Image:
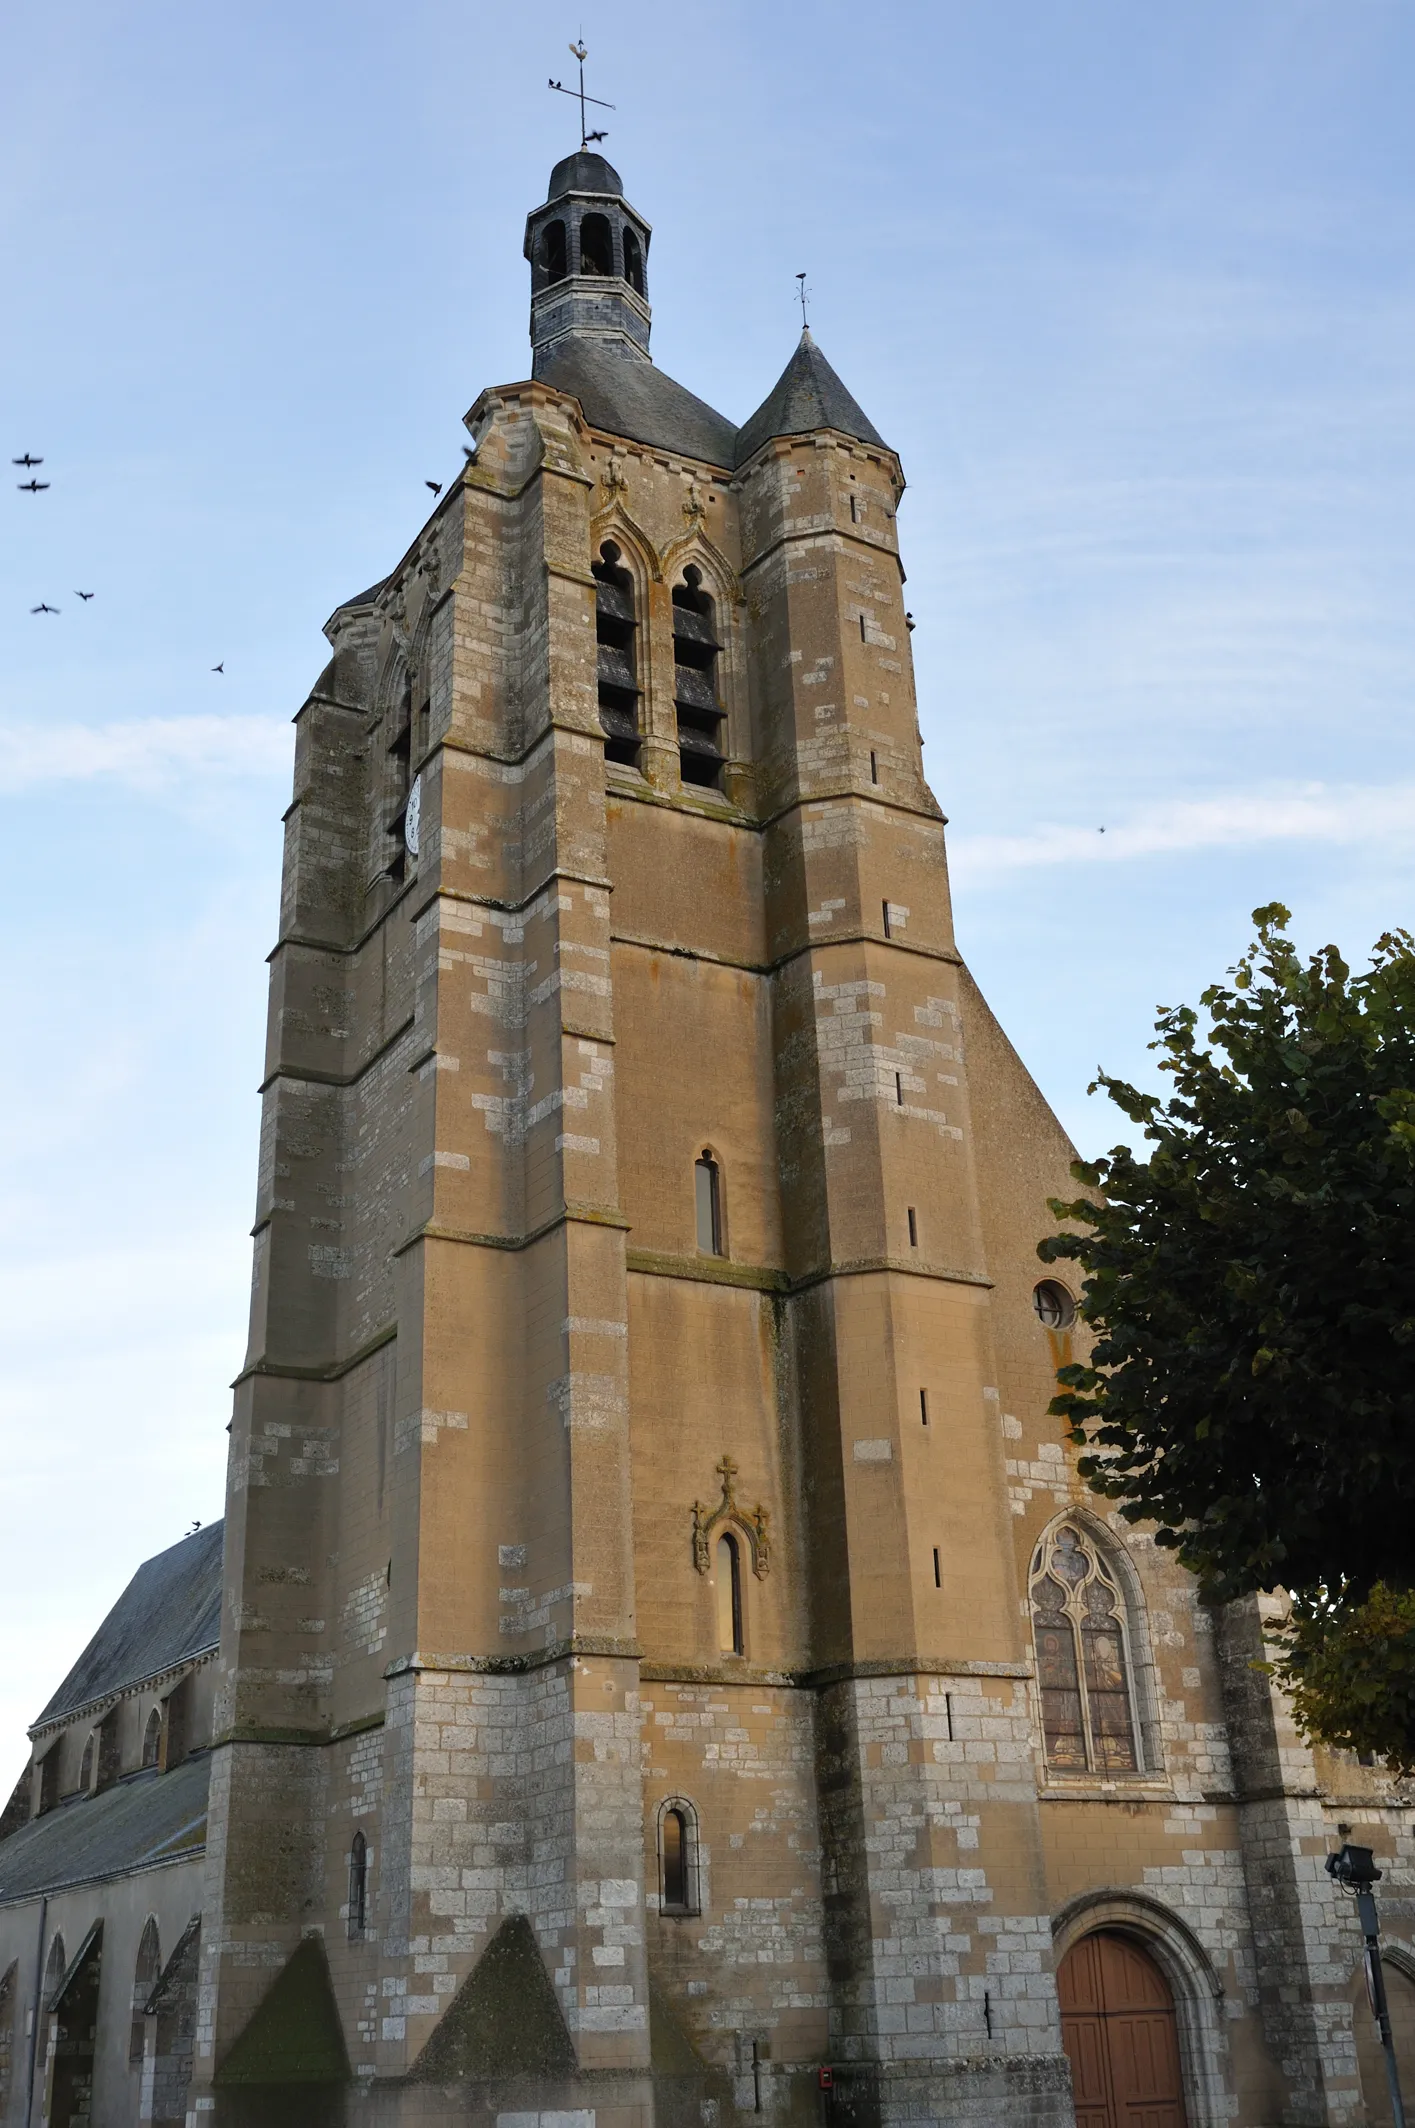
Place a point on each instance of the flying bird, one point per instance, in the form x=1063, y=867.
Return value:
x=31, y=487
x=27, y=461
x=221, y=667
x=435, y=485
x=84, y=595
x=42, y=608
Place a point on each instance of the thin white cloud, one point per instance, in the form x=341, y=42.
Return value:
x=145, y=753
x=1312, y=812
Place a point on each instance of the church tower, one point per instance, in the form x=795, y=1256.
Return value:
x=641, y=1490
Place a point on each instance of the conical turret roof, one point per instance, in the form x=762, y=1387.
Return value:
x=808, y=395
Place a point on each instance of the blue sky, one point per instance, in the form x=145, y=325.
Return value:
x=1131, y=291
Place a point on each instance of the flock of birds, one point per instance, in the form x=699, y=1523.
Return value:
x=35, y=486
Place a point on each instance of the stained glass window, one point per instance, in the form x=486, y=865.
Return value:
x=1083, y=1661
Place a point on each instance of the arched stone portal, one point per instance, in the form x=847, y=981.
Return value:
x=1120, y=2034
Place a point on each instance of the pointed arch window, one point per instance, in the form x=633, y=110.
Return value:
x=146, y=1975
x=358, y=1886
x=87, y=1762
x=615, y=633
x=152, y=1739
x=1084, y=1666
x=695, y=653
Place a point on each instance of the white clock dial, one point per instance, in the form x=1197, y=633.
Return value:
x=412, y=819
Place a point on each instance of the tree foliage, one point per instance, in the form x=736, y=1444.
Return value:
x=1251, y=1286
x=1349, y=1669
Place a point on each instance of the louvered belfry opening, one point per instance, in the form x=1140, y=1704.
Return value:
x=695, y=655
x=618, y=669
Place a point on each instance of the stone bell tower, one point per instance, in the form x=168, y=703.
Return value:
x=624, y=1678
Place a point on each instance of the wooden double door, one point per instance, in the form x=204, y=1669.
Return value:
x=1118, y=2028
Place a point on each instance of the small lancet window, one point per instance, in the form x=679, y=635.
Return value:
x=596, y=245
x=358, y=1886
x=87, y=1762
x=152, y=1739
x=1083, y=1658
x=550, y=254
x=695, y=654
x=615, y=632
x=729, y=1595
x=707, y=1183
x=634, y=261
x=675, y=1840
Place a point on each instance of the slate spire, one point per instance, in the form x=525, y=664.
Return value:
x=806, y=396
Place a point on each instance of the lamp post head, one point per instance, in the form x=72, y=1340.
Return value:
x=1354, y=1868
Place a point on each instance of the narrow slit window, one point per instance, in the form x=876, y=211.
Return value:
x=899, y=1089
x=675, y=1863
x=874, y=767
x=923, y=1407
x=707, y=1183
x=888, y=926
x=729, y=1595
x=854, y=511
x=938, y=1569
x=358, y=1886
x=948, y=1714
x=913, y=1228
x=863, y=637
x=701, y=717
x=616, y=630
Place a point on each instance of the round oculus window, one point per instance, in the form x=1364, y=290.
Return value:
x=1056, y=1310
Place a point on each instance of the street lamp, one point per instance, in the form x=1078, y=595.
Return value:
x=1354, y=1869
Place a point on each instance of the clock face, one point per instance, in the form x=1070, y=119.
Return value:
x=412, y=819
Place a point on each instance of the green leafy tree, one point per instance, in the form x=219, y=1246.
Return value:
x=1251, y=1286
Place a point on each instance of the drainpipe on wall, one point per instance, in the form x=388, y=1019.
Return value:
x=34, y=2013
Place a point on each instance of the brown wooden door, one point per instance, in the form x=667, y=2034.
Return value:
x=1118, y=2029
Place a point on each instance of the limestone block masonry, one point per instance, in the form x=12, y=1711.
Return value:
x=641, y=1480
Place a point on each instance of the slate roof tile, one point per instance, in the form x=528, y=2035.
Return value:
x=148, y=1819
x=170, y=1610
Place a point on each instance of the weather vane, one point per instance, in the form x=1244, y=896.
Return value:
x=801, y=294
x=582, y=55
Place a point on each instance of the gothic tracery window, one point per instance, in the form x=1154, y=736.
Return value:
x=1083, y=1657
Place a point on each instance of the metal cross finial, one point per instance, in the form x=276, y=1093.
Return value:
x=801, y=294
x=581, y=53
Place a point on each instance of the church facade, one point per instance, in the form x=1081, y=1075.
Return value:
x=669, y=1669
